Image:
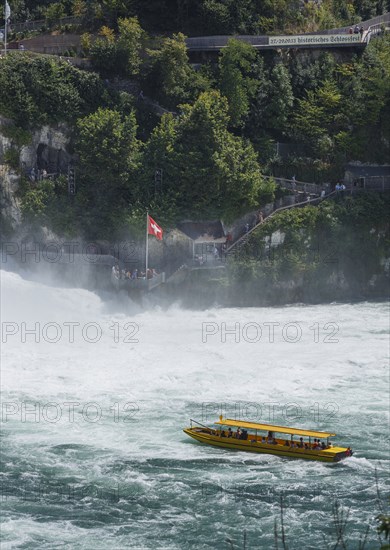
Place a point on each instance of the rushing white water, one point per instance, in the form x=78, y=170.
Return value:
x=93, y=453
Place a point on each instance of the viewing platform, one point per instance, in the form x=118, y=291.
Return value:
x=141, y=284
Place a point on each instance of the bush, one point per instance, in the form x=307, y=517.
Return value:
x=36, y=200
x=11, y=157
x=38, y=90
x=17, y=135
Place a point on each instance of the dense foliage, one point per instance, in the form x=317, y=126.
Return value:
x=331, y=250
x=223, y=117
x=39, y=90
x=209, y=16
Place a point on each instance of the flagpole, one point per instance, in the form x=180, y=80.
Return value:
x=147, y=245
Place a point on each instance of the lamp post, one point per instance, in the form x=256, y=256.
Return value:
x=7, y=14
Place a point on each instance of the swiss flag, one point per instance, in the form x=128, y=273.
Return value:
x=154, y=229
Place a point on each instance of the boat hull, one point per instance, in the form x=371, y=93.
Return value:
x=327, y=455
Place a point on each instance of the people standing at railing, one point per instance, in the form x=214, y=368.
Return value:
x=126, y=274
x=340, y=188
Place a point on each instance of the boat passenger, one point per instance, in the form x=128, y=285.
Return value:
x=315, y=445
x=287, y=443
x=323, y=445
x=230, y=433
x=274, y=442
x=223, y=433
x=307, y=446
x=300, y=444
x=238, y=433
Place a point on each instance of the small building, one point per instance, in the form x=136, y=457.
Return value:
x=208, y=240
x=374, y=177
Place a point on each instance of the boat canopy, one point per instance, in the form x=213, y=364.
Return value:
x=278, y=429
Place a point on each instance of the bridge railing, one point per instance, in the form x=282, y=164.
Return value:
x=296, y=186
x=39, y=23
x=242, y=240
x=211, y=43
x=373, y=30
x=138, y=284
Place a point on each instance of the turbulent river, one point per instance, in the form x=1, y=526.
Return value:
x=96, y=393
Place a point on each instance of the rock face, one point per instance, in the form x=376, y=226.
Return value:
x=9, y=203
x=47, y=151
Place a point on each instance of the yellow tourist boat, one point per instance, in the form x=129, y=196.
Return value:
x=309, y=444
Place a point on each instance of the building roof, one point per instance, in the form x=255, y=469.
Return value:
x=271, y=428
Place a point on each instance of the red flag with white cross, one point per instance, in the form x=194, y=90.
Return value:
x=154, y=229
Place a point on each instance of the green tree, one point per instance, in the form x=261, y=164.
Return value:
x=216, y=17
x=316, y=119
x=54, y=12
x=130, y=43
x=236, y=80
x=208, y=171
x=109, y=154
x=36, y=200
x=111, y=55
x=171, y=77
x=281, y=99
x=38, y=90
x=104, y=56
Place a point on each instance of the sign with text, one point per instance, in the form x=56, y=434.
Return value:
x=315, y=39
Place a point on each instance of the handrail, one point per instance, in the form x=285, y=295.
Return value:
x=199, y=424
x=276, y=211
x=296, y=185
x=38, y=23
x=217, y=42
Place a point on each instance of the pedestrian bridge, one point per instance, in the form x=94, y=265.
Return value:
x=333, y=38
